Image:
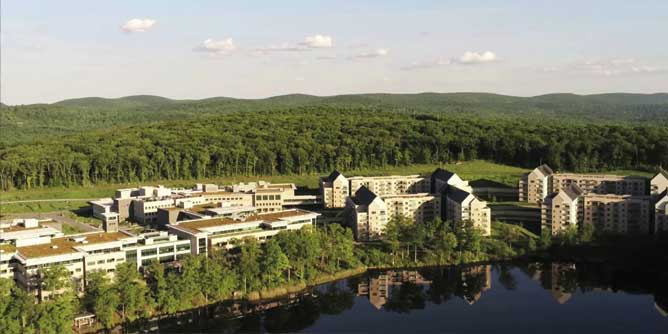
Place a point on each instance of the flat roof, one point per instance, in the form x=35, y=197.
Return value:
x=197, y=225
x=7, y=248
x=65, y=245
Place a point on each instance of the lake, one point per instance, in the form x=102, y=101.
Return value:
x=517, y=298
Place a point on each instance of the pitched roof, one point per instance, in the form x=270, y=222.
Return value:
x=442, y=174
x=572, y=191
x=457, y=194
x=545, y=169
x=364, y=196
x=332, y=176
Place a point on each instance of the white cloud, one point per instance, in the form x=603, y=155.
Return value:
x=221, y=47
x=138, y=25
x=374, y=54
x=470, y=57
x=318, y=41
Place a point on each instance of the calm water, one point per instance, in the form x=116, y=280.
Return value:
x=525, y=298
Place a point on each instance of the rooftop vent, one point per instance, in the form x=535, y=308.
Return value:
x=54, y=247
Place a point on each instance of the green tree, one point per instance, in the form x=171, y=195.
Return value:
x=274, y=263
x=249, y=263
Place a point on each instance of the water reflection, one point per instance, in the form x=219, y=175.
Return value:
x=408, y=292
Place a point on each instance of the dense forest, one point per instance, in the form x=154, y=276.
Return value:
x=25, y=123
x=302, y=140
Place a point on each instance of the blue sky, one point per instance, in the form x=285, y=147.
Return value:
x=53, y=50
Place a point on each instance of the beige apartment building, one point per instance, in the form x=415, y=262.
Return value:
x=419, y=208
x=618, y=213
x=560, y=211
x=367, y=214
x=542, y=182
x=659, y=182
x=464, y=206
x=602, y=184
x=536, y=185
x=661, y=213
x=334, y=190
x=7, y=253
x=391, y=185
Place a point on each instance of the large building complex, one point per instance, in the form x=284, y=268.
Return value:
x=542, y=182
x=151, y=205
x=420, y=199
x=222, y=233
x=609, y=203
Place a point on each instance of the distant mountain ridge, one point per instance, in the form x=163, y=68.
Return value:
x=144, y=100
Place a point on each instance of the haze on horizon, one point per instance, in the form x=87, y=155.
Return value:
x=58, y=50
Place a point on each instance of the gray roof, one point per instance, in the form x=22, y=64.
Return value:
x=572, y=191
x=332, y=176
x=364, y=196
x=545, y=169
x=442, y=174
x=457, y=194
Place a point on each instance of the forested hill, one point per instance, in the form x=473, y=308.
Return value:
x=317, y=139
x=25, y=123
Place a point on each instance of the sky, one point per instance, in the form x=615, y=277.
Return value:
x=55, y=50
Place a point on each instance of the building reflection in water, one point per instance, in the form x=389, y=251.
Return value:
x=406, y=287
x=380, y=288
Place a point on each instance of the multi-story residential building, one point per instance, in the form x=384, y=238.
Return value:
x=391, y=185
x=334, y=190
x=419, y=208
x=617, y=213
x=602, y=184
x=367, y=214
x=661, y=212
x=536, y=185
x=222, y=233
x=542, y=182
x=441, y=179
x=464, y=206
x=560, y=211
x=659, y=182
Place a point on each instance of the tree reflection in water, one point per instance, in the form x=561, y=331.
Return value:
x=405, y=291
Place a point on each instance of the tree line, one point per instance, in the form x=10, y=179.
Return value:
x=308, y=140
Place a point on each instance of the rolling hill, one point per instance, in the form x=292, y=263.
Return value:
x=25, y=123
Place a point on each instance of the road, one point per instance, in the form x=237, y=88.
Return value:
x=49, y=200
